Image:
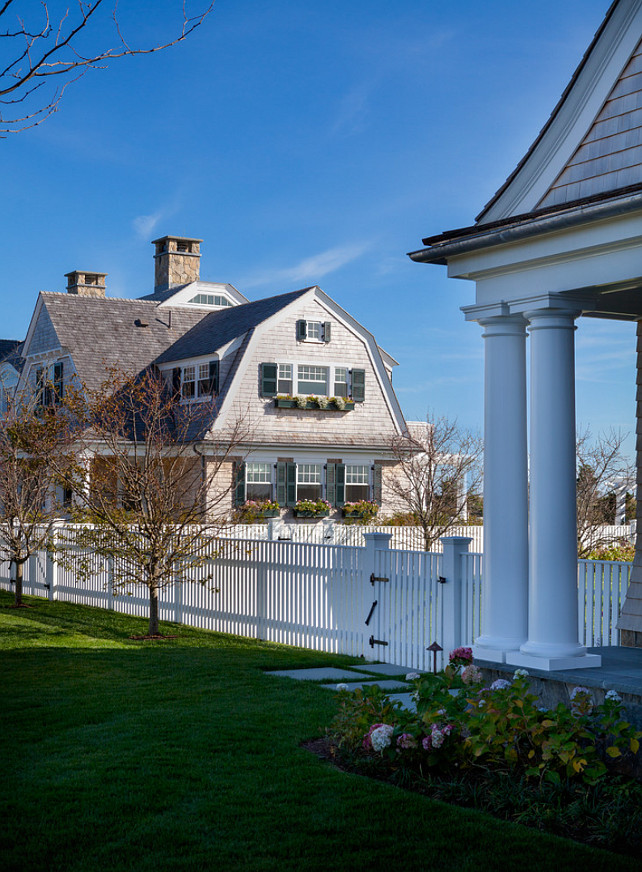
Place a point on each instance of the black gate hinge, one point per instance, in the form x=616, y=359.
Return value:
x=374, y=578
x=372, y=642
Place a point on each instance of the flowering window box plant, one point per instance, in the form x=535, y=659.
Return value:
x=256, y=511
x=312, y=508
x=361, y=510
x=331, y=404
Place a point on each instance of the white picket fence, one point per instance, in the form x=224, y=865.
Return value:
x=404, y=538
x=371, y=601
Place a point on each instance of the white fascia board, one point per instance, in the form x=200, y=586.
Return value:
x=185, y=294
x=587, y=256
x=575, y=117
x=374, y=354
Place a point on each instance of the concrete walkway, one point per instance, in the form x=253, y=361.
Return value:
x=387, y=676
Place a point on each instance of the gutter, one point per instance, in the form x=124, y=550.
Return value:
x=440, y=253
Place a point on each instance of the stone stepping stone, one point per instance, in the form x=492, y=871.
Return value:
x=405, y=699
x=383, y=668
x=386, y=684
x=325, y=673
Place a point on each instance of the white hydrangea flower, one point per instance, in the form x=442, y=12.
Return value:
x=412, y=676
x=520, y=673
x=381, y=737
x=415, y=696
x=342, y=686
x=577, y=690
x=500, y=684
x=613, y=695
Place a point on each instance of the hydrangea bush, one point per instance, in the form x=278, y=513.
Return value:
x=460, y=725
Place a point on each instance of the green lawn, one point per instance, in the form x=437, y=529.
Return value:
x=183, y=755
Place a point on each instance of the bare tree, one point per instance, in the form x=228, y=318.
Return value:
x=151, y=485
x=29, y=436
x=438, y=464
x=51, y=44
x=602, y=470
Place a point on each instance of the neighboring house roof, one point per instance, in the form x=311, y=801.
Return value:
x=100, y=332
x=216, y=329
x=10, y=352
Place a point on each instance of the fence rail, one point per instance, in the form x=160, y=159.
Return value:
x=370, y=600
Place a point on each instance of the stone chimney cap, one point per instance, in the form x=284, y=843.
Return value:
x=86, y=283
x=177, y=238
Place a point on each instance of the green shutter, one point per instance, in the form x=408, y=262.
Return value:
x=176, y=382
x=301, y=330
x=59, y=381
x=281, y=480
x=268, y=379
x=327, y=331
x=239, y=484
x=358, y=385
x=291, y=484
x=331, y=483
x=341, y=484
x=377, y=487
x=214, y=370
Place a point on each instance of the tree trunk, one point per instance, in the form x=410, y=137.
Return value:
x=153, y=611
x=18, y=582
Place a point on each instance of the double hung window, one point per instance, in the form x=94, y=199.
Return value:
x=312, y=380
x=308, y=481
x=197, y=380
x=258, y=481
x=357, y=483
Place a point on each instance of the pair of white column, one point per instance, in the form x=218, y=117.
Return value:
x=530, y=607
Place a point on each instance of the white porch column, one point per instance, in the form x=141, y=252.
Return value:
x=553, y=609
x=505, y=587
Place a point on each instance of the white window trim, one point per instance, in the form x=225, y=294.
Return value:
x=331, y=368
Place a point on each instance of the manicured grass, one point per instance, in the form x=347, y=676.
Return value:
x=183, y=755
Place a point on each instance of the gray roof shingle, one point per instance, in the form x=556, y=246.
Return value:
x=218, y=328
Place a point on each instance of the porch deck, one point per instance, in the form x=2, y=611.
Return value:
x=621, y=670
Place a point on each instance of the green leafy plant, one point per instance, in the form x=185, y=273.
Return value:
x=255, y=511
x=361, y=511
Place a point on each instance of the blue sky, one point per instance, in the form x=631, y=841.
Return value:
x=310, y=142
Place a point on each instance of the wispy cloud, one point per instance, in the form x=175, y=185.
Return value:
x=144, y=225
x=310, y=269
x=353, y=111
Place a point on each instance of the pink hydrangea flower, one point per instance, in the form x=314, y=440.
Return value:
x=406, y=741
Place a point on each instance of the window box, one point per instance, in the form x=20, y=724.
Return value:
x=304, y=513
x=271, y=513
x=312, y=509
x=329, y=406
x=363, y=510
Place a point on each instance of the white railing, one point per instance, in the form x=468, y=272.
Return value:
x=602, y=586
x=320, y=596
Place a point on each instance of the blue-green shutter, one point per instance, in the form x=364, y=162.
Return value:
x=281, y=483
x=301, y=330
x=327, y=331
x=377, y=486
x=239, y=484
x=58, y=381
x=341, y=484
x=268, y=379
x=214, y=371
x=331, y=483
x=176, y=382
x=291, y=484
x=358, y=385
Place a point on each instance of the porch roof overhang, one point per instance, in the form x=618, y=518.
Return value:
x=590, y=253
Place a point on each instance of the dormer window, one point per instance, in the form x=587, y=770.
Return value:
x=210, y=300
x=313, y=331
x=196, y=381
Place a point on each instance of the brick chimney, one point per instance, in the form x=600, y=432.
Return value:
x=177, y=261
x=86, y=284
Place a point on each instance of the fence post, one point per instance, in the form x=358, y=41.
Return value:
x=51, y=575
x=452, y=591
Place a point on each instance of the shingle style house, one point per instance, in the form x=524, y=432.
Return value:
x=255, y=358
